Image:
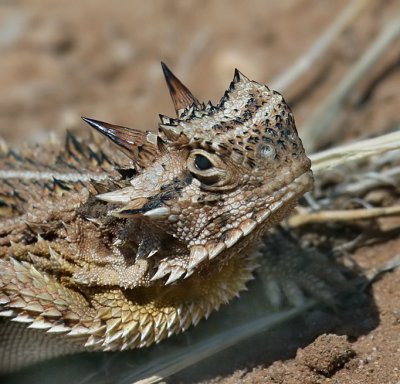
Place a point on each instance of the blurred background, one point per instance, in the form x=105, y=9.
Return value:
x=101, y=59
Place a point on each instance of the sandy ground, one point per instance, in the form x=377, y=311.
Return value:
x=61, y=60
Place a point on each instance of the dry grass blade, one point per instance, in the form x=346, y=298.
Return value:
x=369, y=180
x=166, y=366
x=342, y=155
x=358, y=150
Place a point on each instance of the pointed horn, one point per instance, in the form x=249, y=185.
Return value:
x=134, y=143
x=181, y=96
x=238, y=76
x=161, y=145
x=124, y=137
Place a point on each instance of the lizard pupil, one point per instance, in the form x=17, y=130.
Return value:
x=202, y=163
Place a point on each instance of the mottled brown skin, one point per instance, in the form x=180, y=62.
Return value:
x=109, y=250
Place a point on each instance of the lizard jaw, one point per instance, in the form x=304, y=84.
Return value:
x=200, y=254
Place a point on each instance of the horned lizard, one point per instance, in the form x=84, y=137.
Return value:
x=108, y=248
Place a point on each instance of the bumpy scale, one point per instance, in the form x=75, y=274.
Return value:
x=111, y=251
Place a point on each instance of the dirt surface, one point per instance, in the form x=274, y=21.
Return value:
x=61, y=60
x=371, y=358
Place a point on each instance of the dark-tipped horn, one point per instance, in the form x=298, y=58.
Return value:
x=238, y=76
x=133, y=142
x=124, y=137
x=181, y=96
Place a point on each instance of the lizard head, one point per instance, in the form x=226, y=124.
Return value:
x=211, y=178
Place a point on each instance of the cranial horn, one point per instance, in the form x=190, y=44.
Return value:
x=138, y=145
x=181, y=96
x=238, y=76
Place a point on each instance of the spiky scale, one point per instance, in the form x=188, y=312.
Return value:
x=175, y=274
x=180, y=95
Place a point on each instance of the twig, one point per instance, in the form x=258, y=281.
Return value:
x=342, y=215
x=374, y=273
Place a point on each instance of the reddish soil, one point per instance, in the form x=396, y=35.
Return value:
x=61, y=60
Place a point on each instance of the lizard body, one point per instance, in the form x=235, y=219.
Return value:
x=102, y=249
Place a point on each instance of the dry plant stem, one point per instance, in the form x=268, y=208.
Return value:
x=375, y=273
x=358, y=150
x=320, y=122
x=370, y=180
x=342, y=215
x=162, y=368
x=307, y=61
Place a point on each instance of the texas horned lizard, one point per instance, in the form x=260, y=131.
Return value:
x=116, y=251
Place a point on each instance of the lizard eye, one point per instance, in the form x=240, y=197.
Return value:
x=205, y=167
x=202, y=163
x=213, y=172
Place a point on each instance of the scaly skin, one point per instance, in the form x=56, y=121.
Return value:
x=110, y=251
